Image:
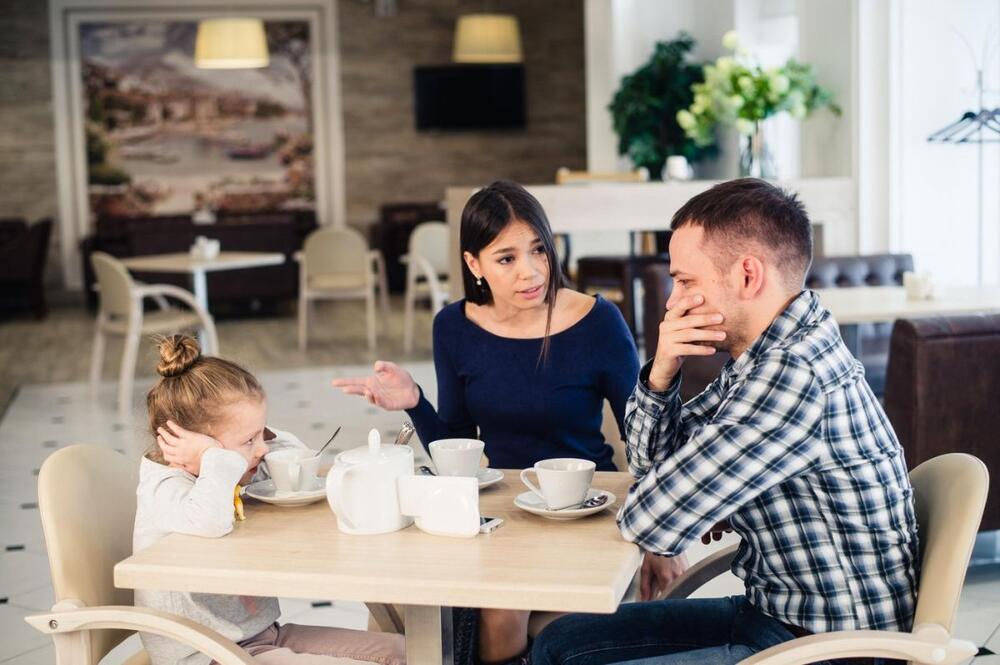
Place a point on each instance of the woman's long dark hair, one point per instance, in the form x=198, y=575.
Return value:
x=486, y=215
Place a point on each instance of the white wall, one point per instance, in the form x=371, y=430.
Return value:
x=933, y=209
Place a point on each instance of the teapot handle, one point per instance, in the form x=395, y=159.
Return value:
x=335, y=488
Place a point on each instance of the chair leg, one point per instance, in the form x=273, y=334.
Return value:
x=303, y=321
x=97, y=358
x=211, y=335
x=370, y=316
x=383, y=293
x=408, y=298
x=127, y=375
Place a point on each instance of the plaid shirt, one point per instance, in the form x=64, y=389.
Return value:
x=791, y=447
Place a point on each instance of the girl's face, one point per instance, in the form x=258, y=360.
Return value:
x=241, y=428
x=515, y=267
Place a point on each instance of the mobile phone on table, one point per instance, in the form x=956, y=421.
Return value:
x=489, y=524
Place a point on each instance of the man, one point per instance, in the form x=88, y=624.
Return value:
x=788, y=445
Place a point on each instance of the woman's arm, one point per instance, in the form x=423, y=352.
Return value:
x=622, y=370
x=451, y=419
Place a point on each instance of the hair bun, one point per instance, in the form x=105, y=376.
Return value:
x=177, y=354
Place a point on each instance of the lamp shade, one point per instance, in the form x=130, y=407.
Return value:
x=230, y=43
x=487, y=38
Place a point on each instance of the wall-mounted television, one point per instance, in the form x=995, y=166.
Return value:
x=466, y=97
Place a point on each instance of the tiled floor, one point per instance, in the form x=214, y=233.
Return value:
x=42, y=418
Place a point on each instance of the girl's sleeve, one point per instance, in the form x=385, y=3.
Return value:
x=204, y=507
x=451, y=419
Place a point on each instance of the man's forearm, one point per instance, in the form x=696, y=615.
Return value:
x=652, y=423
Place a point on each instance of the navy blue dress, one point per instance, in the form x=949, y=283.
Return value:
x=526, y=409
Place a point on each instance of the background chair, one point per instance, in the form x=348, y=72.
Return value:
x=86, y=498
x=949, y=495
x=23, y=250
x=614, y=275
x=941, y=391
x=121, y=313
x=426, y=273
x=336, y=264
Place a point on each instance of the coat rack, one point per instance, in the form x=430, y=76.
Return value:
x=978, y=128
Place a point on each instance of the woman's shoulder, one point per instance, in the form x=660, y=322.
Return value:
x=594, y=310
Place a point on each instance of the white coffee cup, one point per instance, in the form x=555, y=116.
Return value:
x=441, y=506
x=293, y=470
x=564, y=481
x=457, y=457
x=677, y=168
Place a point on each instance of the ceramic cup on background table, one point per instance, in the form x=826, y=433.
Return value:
x=457, y=457
x=563, y=481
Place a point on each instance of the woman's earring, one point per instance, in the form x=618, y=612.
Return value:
x=479, y=281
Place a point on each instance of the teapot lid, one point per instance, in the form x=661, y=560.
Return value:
x=375, y=451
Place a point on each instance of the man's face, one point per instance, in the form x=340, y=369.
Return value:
x=695, y=272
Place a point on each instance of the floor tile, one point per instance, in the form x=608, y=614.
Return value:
x=16, y=636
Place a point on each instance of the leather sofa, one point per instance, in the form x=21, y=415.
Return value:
x=941, y=390
x=252, y=288
x=23, y=250
x=825, y=272
x=873, y=270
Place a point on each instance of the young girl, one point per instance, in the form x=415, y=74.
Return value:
x=208, y=417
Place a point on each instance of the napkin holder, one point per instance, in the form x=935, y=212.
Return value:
x=440, y=505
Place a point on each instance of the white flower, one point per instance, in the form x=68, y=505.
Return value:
x=725, y=65
x=798, y=111
x=744, y=126
x=731, y=40
x=745, y=83
x=778, y=83
x=736, y=102
x=686, y=119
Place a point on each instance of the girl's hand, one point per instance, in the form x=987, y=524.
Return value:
x=391, y=387
x=183, y=448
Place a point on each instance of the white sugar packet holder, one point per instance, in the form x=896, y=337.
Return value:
x=441, y=506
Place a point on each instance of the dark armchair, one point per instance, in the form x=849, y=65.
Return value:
x=941, y=390
x=23, y=251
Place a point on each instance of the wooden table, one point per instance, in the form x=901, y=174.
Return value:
x=182, y=262
x=851, y=306
x=529, y=563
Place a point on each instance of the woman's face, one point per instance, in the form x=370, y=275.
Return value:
x=241, y=428
x=515, y=267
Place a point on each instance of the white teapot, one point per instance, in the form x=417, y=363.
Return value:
x=361, y=487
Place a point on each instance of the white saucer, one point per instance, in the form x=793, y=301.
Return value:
x=487, y=477
x=534, y=504
x=263, y=490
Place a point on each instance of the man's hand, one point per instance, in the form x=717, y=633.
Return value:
x=183, y=448
x=658, y=572
x=716, y=532
x=680, y=334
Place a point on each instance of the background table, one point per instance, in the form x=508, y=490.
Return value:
x=197, y=268
x=530, y=563
x=851, y=306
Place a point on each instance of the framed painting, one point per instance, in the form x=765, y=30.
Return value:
x=141, y=131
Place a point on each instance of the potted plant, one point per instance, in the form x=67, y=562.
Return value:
x=737, y=91
x=644, y=109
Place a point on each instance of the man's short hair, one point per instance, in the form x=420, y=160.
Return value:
x=740, y=213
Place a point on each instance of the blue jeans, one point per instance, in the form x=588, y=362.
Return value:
x=706, y=631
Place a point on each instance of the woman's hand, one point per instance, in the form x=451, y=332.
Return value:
x=183, y=448
x=658, y=572
x=391, y=387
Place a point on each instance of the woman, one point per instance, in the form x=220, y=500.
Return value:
x=523, y=362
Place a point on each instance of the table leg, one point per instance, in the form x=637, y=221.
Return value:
x=429, y=636
x=199, y=286
x=852, y=338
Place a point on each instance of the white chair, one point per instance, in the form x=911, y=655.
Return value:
x=86, y=498
x=121, y=313
x=336, y=264
x=426, y=262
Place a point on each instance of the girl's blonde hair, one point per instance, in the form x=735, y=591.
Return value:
x=193, y=387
